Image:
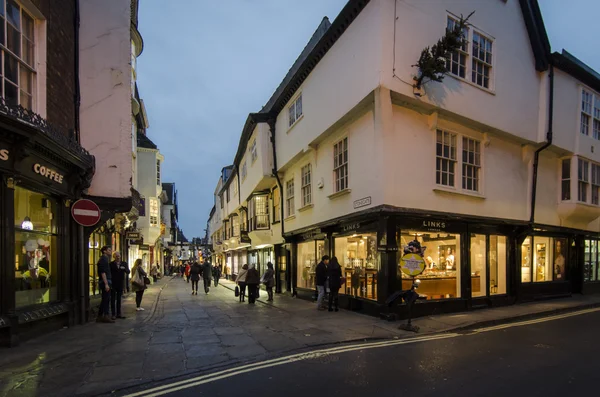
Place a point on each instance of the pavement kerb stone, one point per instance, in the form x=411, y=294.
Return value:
x=515, y=319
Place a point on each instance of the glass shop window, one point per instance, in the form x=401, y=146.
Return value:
x=441, y=278
x=309, y=254
x=591, y=261
x=36, y=263
x=543, y=259
x=358, y=257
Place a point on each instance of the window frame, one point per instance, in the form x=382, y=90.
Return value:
x=276, y=203
x=254, y=215
x=589, y=113
x=583, y=179
x=306, y=184
x=244, y=171
x=459, y=163
x=294, y=105
x=467, y=165
x=468, y=52
x=253, y=152
x=565, y=182
x=341, y=183
x=157, y=172
x=290, y=207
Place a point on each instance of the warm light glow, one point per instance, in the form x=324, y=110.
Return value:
x=27, y=224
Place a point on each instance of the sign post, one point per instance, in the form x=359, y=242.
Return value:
x=85, y=212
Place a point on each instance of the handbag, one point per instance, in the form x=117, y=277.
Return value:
x=137, y=280
x=146, y=280
x=237, y=291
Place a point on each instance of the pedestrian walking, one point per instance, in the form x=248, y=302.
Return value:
x=195, y=272
x=187, y=272
x=252, y=281
x=320, y=280
x=268, y=280
x=241, y=281
x=119, y=270
x=226, y=272
x=206, y=275
x=137, y=283
x=216, y=275
x=105, y=284
x=334, y=277
x=154, y=272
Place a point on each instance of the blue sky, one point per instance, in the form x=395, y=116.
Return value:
x=207, y=64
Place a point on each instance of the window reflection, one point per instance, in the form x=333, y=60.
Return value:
x=358, y=258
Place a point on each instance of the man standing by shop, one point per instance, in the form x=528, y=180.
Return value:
x=118, y=270
x=105, y=283
x=320, y=280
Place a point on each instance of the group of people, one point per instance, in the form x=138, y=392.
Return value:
x=203, y=268
x=112, y=281
x=249, y=278
x=328, y=274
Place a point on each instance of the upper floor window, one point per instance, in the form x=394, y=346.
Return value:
x=258, y=209
x=17, y=50
x=235, y=226
x=446, y=171
x=565, y=186
x=244, y=220
x=235, y=187
x=276, y=205
x=158, y=172
x=340, y=165
x=221, y=199
x=306, y=185
x=227, y=192
x=290, y=208
x=244, y=170
x=478, y=48
x=590, y=114
x=253, y=151
x=295, y=111
x=596, y=184
x=583, y=179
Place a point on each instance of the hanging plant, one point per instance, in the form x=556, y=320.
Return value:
x=432, y=62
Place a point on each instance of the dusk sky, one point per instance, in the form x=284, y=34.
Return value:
x=207, y=64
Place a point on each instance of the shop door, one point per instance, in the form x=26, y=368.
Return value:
x=488, y=259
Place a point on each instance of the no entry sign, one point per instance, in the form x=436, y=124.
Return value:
x=85, y=212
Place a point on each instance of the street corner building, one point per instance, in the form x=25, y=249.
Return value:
x=359, y=152
x=43, y=170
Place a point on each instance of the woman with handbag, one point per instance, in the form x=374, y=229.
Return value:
x=241, y=281
x=138, y=283
x=269, y=280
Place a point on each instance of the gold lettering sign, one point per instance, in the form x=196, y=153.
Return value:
x=49, y=173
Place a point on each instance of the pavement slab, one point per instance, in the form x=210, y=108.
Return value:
x=179, y=333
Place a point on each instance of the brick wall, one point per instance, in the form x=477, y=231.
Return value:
x=60, y=17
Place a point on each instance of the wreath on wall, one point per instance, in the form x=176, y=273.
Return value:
x=432, y=62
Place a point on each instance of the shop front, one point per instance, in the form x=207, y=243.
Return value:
x=469, y=262
x=41, y=284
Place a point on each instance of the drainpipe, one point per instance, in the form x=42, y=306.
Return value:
x=544, y=146
x=76, y=66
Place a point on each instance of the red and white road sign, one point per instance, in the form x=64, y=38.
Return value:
x=85, y=212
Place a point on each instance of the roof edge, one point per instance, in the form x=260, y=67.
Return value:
x=573, y=66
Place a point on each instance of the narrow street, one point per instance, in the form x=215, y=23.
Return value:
x=548, y=358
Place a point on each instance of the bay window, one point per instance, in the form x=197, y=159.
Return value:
x=258, y=211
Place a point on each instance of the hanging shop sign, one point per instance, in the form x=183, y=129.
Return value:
x=244, y=237
x=133, y=235
x=144, y=247
x=363, y=202
x=412, y=265
x=85, y=212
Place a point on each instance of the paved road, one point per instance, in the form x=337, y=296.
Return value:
x=545, y=358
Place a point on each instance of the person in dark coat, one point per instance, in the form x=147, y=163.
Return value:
x=252, y=281
x=269, y=280
x=105, y=283
x=216, y=274
x=334, y=275
x=207, y=276
x=118, y=270
x=320, y=280
x=195, y=277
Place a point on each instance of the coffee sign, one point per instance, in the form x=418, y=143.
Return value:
x=48, y=172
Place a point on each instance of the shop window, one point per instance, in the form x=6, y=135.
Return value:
x=591, y=261
x=36, y=262
x=543, y=259
x=478, y=265
x=358, y=257
x=497, y=257
x=441, y=278
x=309, y=255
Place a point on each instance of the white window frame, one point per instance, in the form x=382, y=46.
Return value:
x=456, y=155
x=33, y=68
x=595, y=183
x=276, y=197
x=290, y=207
x=253, y=152
x=589, y=120
x=295, y=111
x=306, y=185
x=467, y=54
x=583, y=180
x=340, y=165
x=158, y=172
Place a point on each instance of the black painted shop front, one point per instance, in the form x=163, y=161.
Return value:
x=42, y=173
x=471, y=262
